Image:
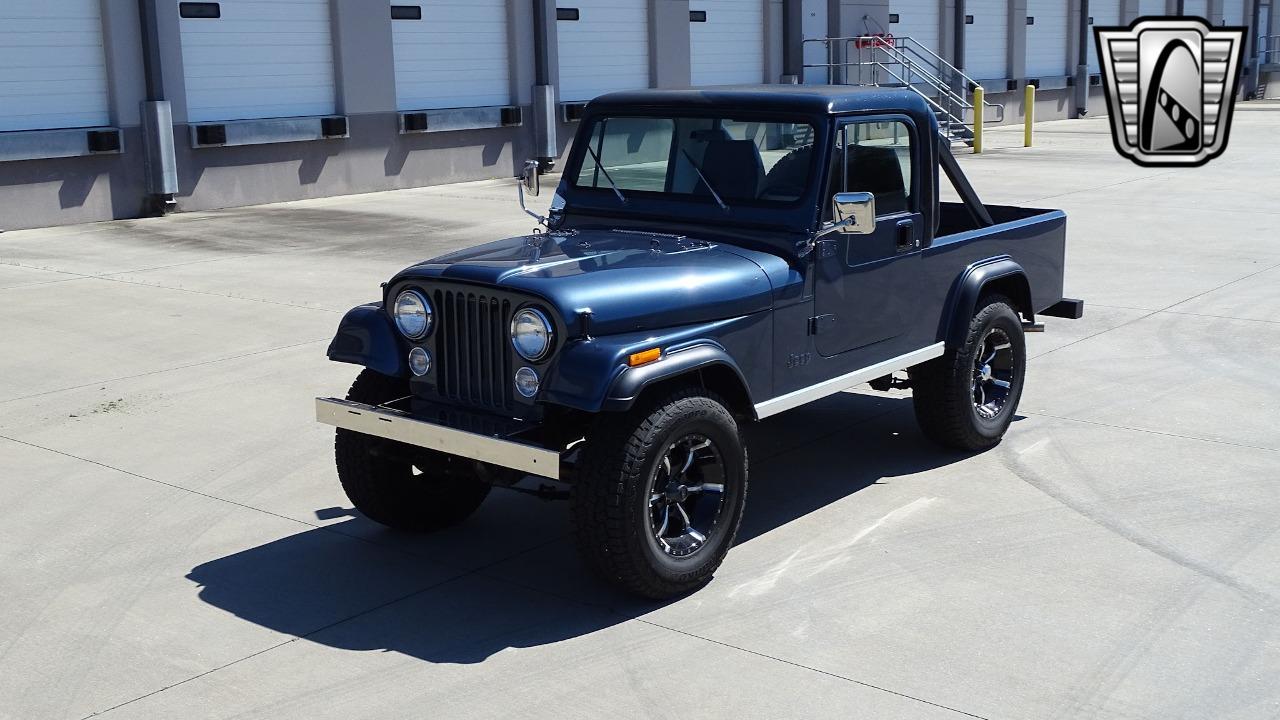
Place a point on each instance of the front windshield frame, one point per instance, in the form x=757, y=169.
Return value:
x=602, y=197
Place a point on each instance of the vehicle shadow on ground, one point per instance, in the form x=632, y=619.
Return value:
x=513, y=578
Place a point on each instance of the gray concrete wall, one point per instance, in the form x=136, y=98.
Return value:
x=61, y=191
x=361, y=55
x=375, y=157
x=669, y=49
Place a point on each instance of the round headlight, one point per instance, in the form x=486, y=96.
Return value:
x=413, y=314
x=531, y=334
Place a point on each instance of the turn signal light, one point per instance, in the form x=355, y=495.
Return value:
x=644, y=357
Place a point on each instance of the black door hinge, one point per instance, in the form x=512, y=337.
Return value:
x=821, y=323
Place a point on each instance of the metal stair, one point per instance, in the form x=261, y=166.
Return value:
x=886, y=61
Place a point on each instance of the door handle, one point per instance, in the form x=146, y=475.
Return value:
x=906, y=239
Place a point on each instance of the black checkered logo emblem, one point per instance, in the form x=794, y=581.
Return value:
x=1170, y=86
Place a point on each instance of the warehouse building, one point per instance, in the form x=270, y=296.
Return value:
x=123, y=108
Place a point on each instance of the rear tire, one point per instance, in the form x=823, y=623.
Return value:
x=660, y=494
x=398, y=485
x=967, y=398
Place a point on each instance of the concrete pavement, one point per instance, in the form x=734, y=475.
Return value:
x=175, y=543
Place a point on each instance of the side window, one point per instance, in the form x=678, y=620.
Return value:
x=875, y=157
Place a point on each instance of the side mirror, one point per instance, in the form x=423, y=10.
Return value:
x=530, y=179
x=855, y=213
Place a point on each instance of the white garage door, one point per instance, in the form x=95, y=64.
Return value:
x=726, y=44
x=987, y=40
x=918, y=20
x=53, y=71
x=605, y=49
x=1151, y=7
x=1196, y=8
x=1104, y=13
x=1233, y=12
x=450, y=53
x=260, y=59
x=1047, y=38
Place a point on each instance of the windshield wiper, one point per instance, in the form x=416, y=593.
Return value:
x=621, y=198
x=698, y=170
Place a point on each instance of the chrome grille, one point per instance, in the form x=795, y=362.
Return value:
x=475, y=367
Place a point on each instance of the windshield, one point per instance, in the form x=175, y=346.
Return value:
x=720, y=161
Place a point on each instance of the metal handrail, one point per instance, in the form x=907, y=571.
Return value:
x=928, y=69
x=941, y=63
x=952, y=113
x=1269, y=49
x=950, y=117
x=942, y=85
x=910, y=45
x=919, y=49
x=934, y=81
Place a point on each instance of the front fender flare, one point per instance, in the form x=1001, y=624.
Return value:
x=366, y=336
x=593, y=374
x=631, y=382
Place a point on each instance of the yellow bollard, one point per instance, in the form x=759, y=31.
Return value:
x=977, y=120
x=1029, y=113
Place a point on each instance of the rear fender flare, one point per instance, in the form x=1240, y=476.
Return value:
x=969, y=287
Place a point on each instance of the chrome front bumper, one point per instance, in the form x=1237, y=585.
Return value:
x=401, y=427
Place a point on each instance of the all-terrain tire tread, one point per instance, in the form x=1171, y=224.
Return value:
x=615, y=455
x=370, y=483
x=941, y=387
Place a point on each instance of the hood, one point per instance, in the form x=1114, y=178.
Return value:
x=629, y=280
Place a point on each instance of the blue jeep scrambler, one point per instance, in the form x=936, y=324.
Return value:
x=711, y=257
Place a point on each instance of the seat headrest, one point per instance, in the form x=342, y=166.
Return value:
x=734, y=169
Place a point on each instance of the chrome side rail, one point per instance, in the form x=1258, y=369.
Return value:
x=796, y=398
x=395, y=425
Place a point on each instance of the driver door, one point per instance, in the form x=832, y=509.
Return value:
x=865, y=295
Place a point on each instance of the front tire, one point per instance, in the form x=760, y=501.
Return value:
x=967, y=398
x=398, y=485
x=660, y=494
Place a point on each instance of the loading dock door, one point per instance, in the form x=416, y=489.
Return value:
x=918, y=20
x=987, y=40
x=1047, y=38
x=451, y=55
x=1196, y=8
x=1151, y=7
x=1104, y=13
x=604, y=47
x=259, y=59
x=726, y=41
x=53, y=71
x=1233, y=12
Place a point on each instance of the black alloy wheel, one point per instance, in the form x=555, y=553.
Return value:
x=993, y=374
x=686, y=495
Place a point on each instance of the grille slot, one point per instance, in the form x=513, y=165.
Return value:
x=472, y=352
